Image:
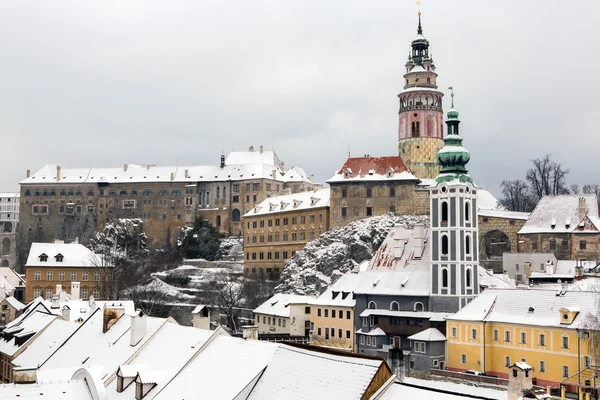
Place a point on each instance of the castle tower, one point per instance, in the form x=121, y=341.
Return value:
x=454, y=231
x=420, y=126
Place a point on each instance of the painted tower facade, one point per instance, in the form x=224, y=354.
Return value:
x=421, y=118
x=454, y=230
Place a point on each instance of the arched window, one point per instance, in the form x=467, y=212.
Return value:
x=207, y=198
x=372, y=305
x=394, y=306
x=444, y=278
x=418, y=133
x=414, y=129
x=224, y=192
x=8, y=227
x=218, y=192
x=444, y=219
x=428, y=79
x=418, y=306
x=468, y=245
x=235, y=215
x=468, y=277
x=218, y=220
x=467, y=213
x=445, y=245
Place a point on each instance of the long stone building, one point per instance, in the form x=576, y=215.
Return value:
x=65, y=204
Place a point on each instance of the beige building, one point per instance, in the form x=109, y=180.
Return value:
x=52, y=267
x=65, y=204
x=284, y=314
x=279, y=226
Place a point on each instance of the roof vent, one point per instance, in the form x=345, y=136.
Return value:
x=404, y=281
x=531, y=309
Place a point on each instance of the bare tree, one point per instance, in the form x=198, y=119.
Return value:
x=228, y=293
x=516, y=196
x=574, y=188
x=547, y=177
x=592, y=189
x=147, y=300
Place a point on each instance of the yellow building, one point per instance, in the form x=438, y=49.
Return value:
x=279, y=226
x=539, y=327
x=68, y=266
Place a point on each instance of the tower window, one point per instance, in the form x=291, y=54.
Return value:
x=445, y=245
x=467, y=214
x=468, y=277
x=444, y=219
x=468, y=245
x=444, y=278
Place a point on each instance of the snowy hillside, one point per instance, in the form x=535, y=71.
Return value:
x=338, y=251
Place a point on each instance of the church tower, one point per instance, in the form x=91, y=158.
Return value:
x=454, y=230
x=420, y=127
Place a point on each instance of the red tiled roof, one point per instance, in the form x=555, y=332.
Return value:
x=360, y=166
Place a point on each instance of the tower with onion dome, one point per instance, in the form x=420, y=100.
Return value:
x=454, y=230
x=421, y=118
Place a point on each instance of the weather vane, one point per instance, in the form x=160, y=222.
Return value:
x=451, y=95
x=418, y=3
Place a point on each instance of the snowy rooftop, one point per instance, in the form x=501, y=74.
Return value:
x=84, y=308
x=413, y=388
x=268, y=157
x=73, y=255
x=561, y=214
x=403, y=248
x=67, y=390
x=341, y=292
x=373, y=169
x=278, y=305
x=429, y=335
x=376, y=331
x=291, y=202
x=16, y=336
x=503, y=214
x=16, y=304
x=11, y=195
x=301, y=373
x=515, y=305
x=485, y=200
x=432, y=316
x=6, y=286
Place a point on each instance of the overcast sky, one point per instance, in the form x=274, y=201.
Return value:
x=103, y=83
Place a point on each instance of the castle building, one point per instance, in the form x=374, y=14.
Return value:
x=454, y=233
x=420, y=124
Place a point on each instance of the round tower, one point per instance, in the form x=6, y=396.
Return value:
x=421, y=118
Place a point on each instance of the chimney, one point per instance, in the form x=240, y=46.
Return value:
x=187, y=174
x=549, y=267
x=75, y=290
x=282, y=168
x=251, y=148
x=66, y=313
x=582, y=208
x=261, y=148
x=58, y=288
x=579, y=269
x=527, y=269
x=55, y=302
x=274, y=174
x=58, y=173
x=311, y=178
x=250, y=332
x=172, y=175
x=138, y=327
x=419, y=235
x=28, y=173
x=92, y=302
x=62, y=296
x=222, y=160
x=125, y=166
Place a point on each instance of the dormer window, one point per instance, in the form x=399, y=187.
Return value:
x=43, y=257
x=59, y=257
x=347, y=173
x=390, y=172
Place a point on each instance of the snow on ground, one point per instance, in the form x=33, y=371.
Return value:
x=158, y=285
x=338, y=251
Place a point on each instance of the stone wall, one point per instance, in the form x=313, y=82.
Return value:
x=510, y=227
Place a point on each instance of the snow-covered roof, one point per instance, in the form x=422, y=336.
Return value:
x=432, y=316
x=403, y=249
x=488, y=279
x=503, y=214
x=373, y=169
x=221, y=370
x=33, y=324
x=84, y=308
x=12, y=195
x=291, y=202
x=487, y=201
x=239, y=166
x=429, y=335
x=439, y=390
x=65, y=390
x=16, y=304
x=420, y=89
x=73, y=255
x=198, y=308
x=375, y=331
x=161, y=358
x=513, y=306
x=5, y=286
x=109, y=350
x=278, y=305
x=299, y=373
x=561, y=214
x=341, y=292
x=522, y=365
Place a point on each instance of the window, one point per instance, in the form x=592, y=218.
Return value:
x=96, y=276
x=392, y=192
x=507, y=361
x=344, y=192
x=507, y=336
x=565, y=371
x=453, y=331
x=542, y=366
x=552, y=244
x=236, y=199
x=40, y=209
x=394, y=306
x=37, y=276
x=582, y=245
x=332, y=313
x=586, y=361
x=255, y=186
x=235, y=215
x=84, y=293
x=294, y=220
x=96, y=293
x=61, y=276
x=369, y=211
x=48, y=294
x=369, y=192
x=468, y=245
x=523, y=338
x=318, y=312
x=463, y=358
x=445, y=278
x=533, y=245
x=474, y=334
x=347, y=334
x=344, y=211
x=372, y=305
x=37, y=293
x=444, y=219
x=565, y=245
x=348, y=315
x=326, y=313
x=468, y=278
x=565, y=342
x=542, y=340
x=73, y=276
x=49, y=275
x=467, y=213
x=128, y=203
x=84, y=276
x=306, y=310
x=445, y=245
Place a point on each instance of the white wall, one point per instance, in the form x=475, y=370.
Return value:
x=276, y=324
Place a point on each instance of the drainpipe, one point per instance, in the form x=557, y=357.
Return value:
x=484, y=370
